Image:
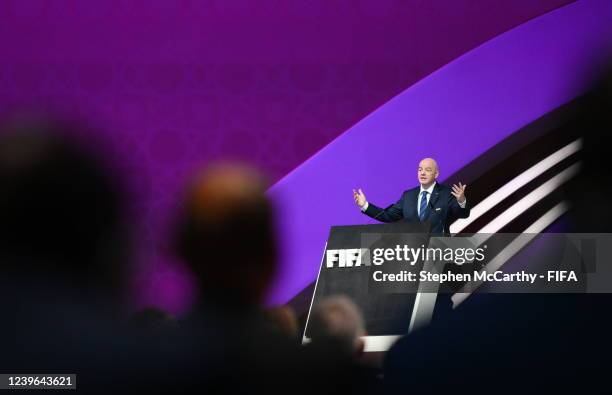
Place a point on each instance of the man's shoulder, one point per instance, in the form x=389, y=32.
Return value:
x=442, y=187
x=410, y=191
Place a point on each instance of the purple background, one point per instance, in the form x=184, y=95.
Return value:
x=454, y=115
x=174, y=84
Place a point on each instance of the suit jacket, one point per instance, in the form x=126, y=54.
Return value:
x=443, y=209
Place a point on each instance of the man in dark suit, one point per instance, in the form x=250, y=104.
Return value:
x=430, y=202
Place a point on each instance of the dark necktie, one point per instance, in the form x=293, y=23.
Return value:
x=423, y=208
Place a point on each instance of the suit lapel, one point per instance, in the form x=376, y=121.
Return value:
x=435, y=195
x=415, y=200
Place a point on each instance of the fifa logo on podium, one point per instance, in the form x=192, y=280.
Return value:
x=353, y=257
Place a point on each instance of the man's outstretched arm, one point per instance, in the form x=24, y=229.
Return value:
x=458, y=205
x=390, y=214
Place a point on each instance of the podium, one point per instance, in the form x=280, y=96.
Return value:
x=399, y=275
x=350, y=265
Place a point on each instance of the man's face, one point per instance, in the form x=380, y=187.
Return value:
x=427, y=172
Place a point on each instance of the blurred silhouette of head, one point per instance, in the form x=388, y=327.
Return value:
x=226, y=235
x=591, y=186
x=59, y=209
x=339, y=321
x=283, y=320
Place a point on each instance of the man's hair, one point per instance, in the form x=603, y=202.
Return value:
x=282, y=319
x=337, y=319
x=60, y=208
x=226, y=234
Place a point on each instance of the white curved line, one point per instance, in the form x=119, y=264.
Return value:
x=513, y=248
x=519, y=181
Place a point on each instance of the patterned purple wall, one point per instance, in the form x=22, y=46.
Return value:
x=454, y=115
x=174, y=84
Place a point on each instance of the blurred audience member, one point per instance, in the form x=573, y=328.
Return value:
x=61, y=214
x=586, y=190
x=335, y=328
x=63, y=249
x=283, y=320
x=227, y=237
x=338, y=320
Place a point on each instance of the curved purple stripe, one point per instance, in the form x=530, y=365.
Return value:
x=454, y=115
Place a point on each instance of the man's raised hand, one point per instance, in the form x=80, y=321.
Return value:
x=459, y=192
x=359, y=197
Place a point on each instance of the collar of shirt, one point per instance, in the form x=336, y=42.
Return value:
x=429, y=190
